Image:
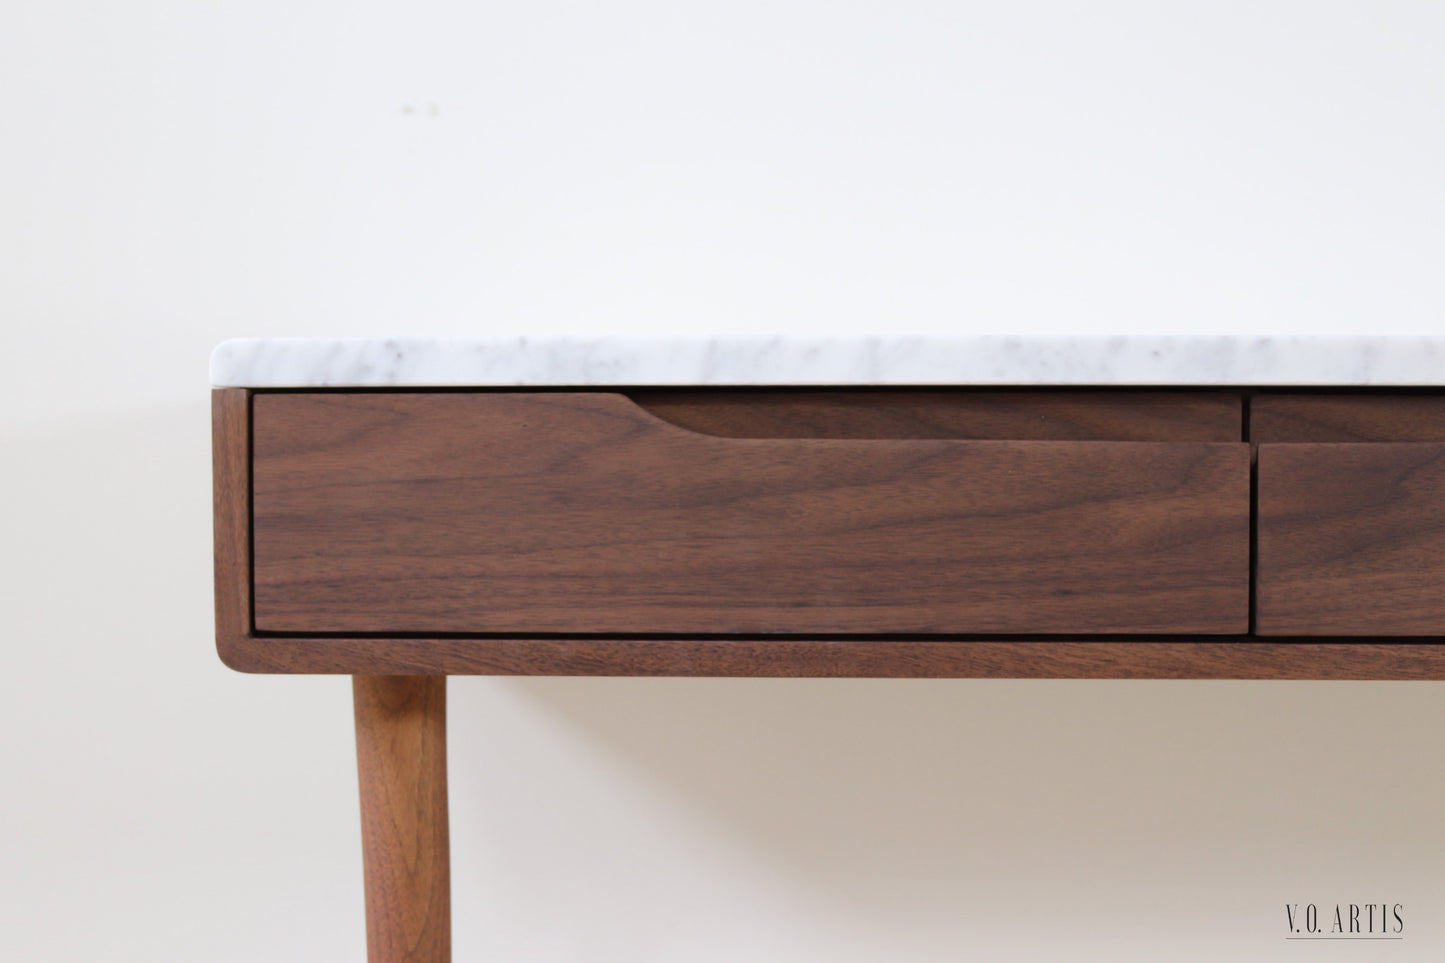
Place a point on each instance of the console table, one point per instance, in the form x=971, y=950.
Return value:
x=1208, y=507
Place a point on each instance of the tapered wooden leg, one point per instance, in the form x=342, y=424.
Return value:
x=401, y=754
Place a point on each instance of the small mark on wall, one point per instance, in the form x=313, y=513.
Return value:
x=429, y=109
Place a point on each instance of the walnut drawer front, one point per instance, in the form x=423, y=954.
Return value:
x=1351, y=524
x=583, y=513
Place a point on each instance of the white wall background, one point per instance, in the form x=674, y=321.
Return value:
x=172, y=174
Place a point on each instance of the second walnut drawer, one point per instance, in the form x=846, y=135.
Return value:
x=1351, y=521
x=585, y=513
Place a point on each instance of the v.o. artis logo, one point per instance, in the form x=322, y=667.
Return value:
x=1346, y=921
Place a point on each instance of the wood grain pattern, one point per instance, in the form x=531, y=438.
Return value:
x=1312, y=417
x=579, y=513
x=1351, y=539
x=971, y=414
x=401, y=754
x=1347, y=418
x=231, y=508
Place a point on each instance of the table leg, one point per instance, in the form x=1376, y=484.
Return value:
x=401, y=755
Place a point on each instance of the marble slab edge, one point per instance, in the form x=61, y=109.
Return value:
x=844, y=361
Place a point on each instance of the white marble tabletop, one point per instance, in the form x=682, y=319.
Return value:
x=991, y=360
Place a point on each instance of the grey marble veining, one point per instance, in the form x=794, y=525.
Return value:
x=1034, y=360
